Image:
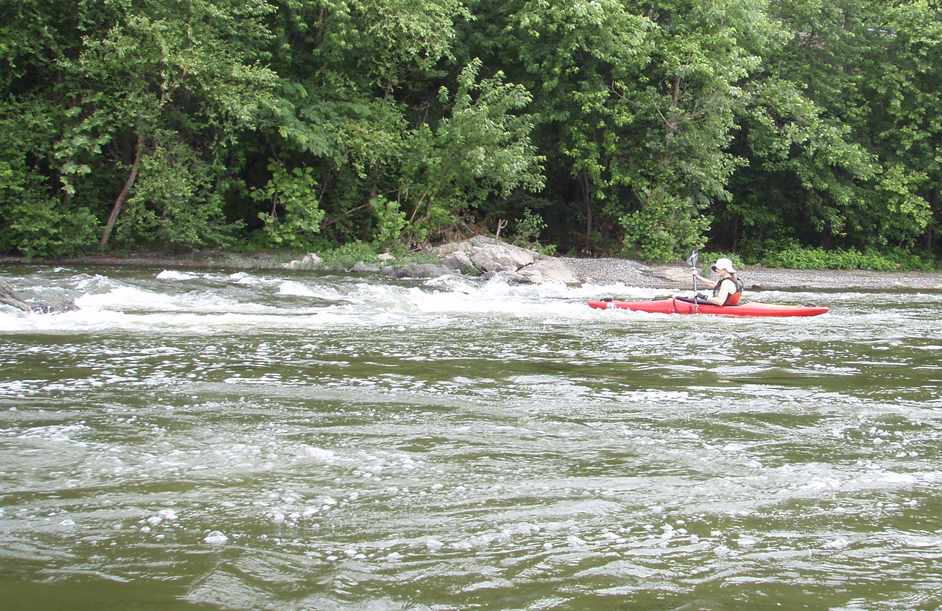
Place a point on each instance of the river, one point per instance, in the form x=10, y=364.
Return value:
x=276, y=440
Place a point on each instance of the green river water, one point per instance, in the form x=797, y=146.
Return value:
x=274, y=440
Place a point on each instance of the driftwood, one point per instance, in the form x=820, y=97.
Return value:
x=8, y=297
x=501, y=224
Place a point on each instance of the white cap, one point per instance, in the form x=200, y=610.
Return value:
x=724, y=264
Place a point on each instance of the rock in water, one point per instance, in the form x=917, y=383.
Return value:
x=486, y=255
x=548, y=270
x=461, y=262
x=8, y=297
x=490, y=255
x=418, y=270
x=308, y=262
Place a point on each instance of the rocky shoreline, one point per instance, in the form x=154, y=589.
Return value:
x=488, y=257
x=633, y=273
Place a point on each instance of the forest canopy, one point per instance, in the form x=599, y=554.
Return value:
x=600, y=126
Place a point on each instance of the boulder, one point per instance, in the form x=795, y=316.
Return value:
x=443, y=250
x=490, y=255
x=682, y=276
x=309, y=261
x=460, y=262
x=508, y=277
x=485, y=254
x=548, y=269
x=364, y=268
x=492, y=258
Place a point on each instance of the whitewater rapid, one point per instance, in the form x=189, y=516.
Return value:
x=305, y=440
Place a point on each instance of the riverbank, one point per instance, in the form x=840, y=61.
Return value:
x=634, y=273
x=584, y=270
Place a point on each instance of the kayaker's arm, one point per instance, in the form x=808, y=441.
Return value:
x=710, y=284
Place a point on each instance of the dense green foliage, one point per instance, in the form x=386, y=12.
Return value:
x=795, y=256
x=631, y=127
x=818, y=258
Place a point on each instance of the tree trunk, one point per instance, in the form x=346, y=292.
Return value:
x=735, y=240
x=123, y=196
x=930, y=230
x=587, y=195
x=8, y=297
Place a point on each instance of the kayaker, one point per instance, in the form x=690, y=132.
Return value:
x=727, y=289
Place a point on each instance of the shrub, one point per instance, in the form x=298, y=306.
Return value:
x=345, y=256
x=527, y=232
x=665, y=229
x=174, y=202
x=803, y=257
x=390, y=221
x=43, y=228
x=295, y=215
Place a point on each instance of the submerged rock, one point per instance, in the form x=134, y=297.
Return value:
x=418, y=270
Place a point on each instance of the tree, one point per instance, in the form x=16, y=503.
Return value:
x=832, y=124
x=168, y=83
x=636, y=103
x=480, y=148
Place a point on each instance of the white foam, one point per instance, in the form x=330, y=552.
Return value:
x=746, y=541
x=244, y=279
x=298, y=289
x=837, y=543
x=172, y=275
x=433, y=545
x=215, y=538
x=86, y=283
x=214, y=307
x=109, y=305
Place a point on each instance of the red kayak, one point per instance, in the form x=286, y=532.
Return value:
x=672, y=305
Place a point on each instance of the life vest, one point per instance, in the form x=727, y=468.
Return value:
x=733, y=298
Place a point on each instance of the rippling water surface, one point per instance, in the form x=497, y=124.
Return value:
x=265, y=440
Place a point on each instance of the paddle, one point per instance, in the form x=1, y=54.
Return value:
x=692, y=262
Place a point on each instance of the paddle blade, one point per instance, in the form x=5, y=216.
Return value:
x=693, y=259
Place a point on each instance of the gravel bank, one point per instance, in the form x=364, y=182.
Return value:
x=633, y=273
